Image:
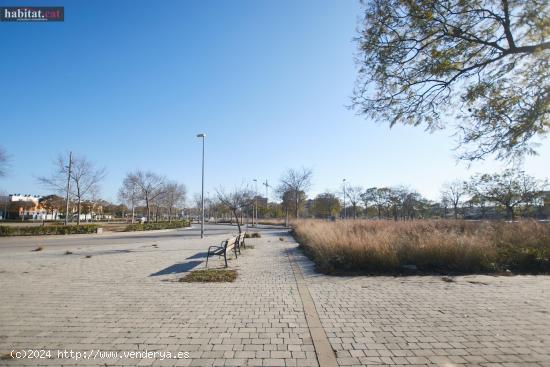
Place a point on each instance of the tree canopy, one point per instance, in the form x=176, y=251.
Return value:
x=293, y=186
x=482, y=63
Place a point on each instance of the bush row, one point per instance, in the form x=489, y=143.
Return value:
x=252, y=235
x=156, y=225
x=46, y=230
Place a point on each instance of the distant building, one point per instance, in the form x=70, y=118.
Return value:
x=29, y=207
x=17, y=206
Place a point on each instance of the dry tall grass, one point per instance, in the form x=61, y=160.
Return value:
x=431, y=246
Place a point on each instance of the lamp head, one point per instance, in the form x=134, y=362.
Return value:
x=201, y=135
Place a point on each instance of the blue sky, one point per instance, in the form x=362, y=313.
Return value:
x=129, y=84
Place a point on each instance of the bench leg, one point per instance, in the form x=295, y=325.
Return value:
x=225, y=258
x=207, y=255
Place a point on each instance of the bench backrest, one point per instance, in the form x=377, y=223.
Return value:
x=240, y=238
x=230, y=244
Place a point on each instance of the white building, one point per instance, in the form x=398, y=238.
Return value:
x=29, y=208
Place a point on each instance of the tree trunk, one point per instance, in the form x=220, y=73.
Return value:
x=510, y=211
x=78, y=210
x=456, y=211
x=237, y=218
x=286, y=218
x=297, y=201
x=133, y=213
x=148, y=209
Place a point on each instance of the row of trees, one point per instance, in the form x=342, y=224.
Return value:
x=161, y=197
x=509, y=192
x=76, y=180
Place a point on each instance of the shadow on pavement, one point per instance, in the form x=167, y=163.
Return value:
x=177, y=268
x=198, y=255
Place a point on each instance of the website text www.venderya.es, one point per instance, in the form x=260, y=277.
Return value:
x=95, y=354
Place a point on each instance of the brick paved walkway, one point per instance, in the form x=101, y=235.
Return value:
x=431, y=320
x=123, y=298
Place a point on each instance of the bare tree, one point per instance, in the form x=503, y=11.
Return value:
x=173, y=197
x=59, y=181
x=354, y=195
x=84, y=177
x=453, y=193
x=296, y=182
x=85, y=180
x=236, y=200
x=3, y=162
x=129, y=193
x=150, y=185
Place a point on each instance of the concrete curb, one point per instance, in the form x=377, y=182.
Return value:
x=323, y=349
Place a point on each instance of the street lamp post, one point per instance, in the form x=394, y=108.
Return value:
x=68, y=188
x=266, y=196
x=202, y=135
x=345, y=213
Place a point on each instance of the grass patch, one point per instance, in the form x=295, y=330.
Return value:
x=46, y=230
x=281, y=239
x=156, y=226
x=210, y=275
x=88, y=256
x=429, y=246
x=252, y=235
x=5, y=356
x=68, y=253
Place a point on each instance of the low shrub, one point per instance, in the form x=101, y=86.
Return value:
x=252, y=235
x=428, y=246
x=210, y=275
x=156, y=226
x=46, y=230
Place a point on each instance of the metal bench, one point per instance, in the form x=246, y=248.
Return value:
x=226, y=245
